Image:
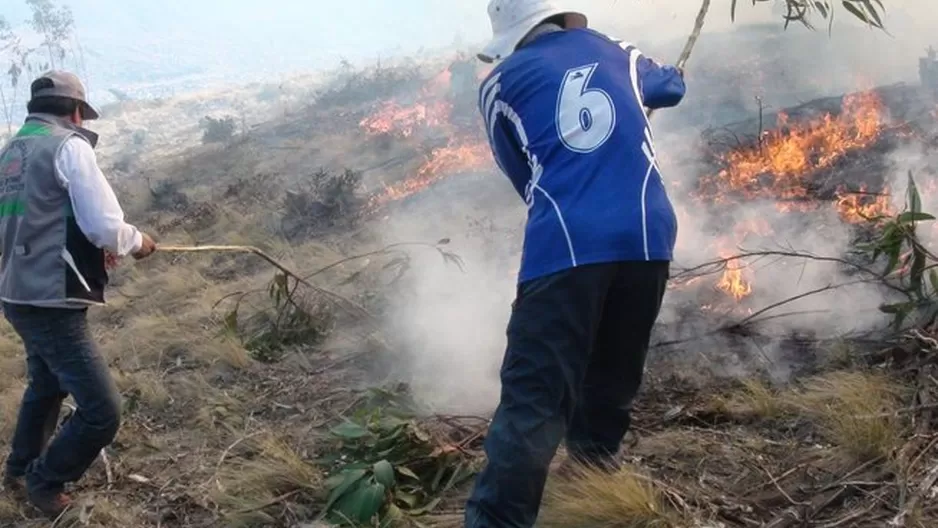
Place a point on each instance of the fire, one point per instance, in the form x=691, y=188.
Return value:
x=863, y=206
x=393, y=117
x=736, y=280
x=781, y=169
x=453, y=158
x=780, y=166
x=437, y=110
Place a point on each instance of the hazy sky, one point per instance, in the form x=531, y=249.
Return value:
x=145, y=43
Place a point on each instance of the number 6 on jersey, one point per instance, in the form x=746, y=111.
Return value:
x=585, y=116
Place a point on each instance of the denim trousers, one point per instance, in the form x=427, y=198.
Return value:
x=62, y=359
x=577, y=342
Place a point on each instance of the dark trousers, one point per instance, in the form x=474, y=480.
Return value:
x=577, y=342
x=62, y=359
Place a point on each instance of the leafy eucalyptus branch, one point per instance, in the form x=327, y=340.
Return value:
x=869, y=12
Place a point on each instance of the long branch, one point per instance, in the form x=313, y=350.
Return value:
x=753, y=318
x=338, y=299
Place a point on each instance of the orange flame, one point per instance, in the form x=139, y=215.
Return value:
x=466, y=151
x=453, y=158
x=736, y=280
x=779, y=167
x=857, y=208
x=405, y=120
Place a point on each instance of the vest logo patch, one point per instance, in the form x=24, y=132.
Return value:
x=11, y=164
x=13, y=161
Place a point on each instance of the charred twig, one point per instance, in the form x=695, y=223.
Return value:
x=923, y=488
x=754, y=317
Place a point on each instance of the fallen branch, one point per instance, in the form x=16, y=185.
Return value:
x=754, y=317
x=923, y=489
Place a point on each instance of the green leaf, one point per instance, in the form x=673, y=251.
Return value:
x=405, y=471
x=913, y=197
x=877, y=21
x=429, y=507
x=384, y=473
x=896, y=307
x=341, y=483
x=933, y=279
x=362, y=504
x=408, y=499
x=917, y=271
x=231, y=321
x=349, y=431
x=910, y=217
x=892, y=263
x=822, y=8
x=392, y=516
x=855, y=11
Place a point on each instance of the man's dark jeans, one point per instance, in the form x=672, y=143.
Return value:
x=62, y=360
x=577, y=342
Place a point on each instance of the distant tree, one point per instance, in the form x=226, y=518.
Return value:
x=55, y=24
x=13, y=60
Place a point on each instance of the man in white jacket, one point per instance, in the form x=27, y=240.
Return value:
x=58, y=218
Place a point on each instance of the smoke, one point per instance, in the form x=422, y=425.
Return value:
x=451, y=321
x=451, y=324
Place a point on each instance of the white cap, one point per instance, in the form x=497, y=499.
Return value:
x=512, y=20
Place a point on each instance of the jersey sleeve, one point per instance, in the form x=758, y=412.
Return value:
x=661, y=86
x=502, y=134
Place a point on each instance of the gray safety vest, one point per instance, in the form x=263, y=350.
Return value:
x=47, y=261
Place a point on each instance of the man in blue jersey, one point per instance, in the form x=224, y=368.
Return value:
x=565, y=112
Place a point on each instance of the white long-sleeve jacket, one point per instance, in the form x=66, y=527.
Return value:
x=97, y=211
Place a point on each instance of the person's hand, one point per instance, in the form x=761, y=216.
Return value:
x=146, y=248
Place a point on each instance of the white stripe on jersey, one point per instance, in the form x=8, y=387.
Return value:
x=491, y=107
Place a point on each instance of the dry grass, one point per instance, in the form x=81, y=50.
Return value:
x=225, y=350
x=98, y=512
x=8, y=508
x=856, y=411
x=755, y=399
x=218, y=407
x=10, y=399
x=270, y=469
x=158, y=341
x=588, y=498
x=146, y=386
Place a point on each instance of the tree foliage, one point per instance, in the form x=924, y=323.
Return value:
x=870, y=12
x=54, y=24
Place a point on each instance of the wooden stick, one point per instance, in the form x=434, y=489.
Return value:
x=691, y=40
x=235, y=249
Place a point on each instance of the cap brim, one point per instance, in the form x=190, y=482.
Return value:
x=88, y=113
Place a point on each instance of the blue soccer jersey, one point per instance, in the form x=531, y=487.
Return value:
x=566, y=124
